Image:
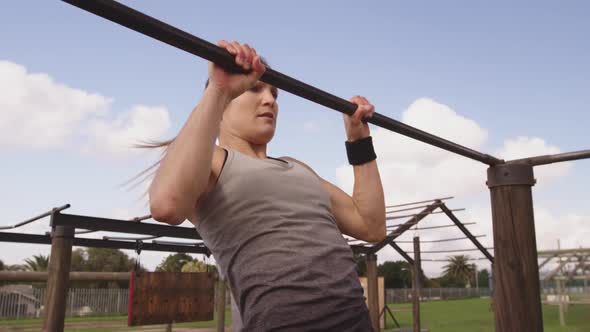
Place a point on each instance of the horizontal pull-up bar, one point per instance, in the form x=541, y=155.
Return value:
x=41, y=216
x=99, y=243
x=446, y=259
x=418, y=214
x=554, y=158
x=447, y=251
x=434, y=227
x=442, y=240
x=420, y=202
x=147, y=25
x=122, y=226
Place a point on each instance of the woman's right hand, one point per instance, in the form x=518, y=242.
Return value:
x=235, y=84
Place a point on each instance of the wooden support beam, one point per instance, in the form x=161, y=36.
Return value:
x=404, y=227
x=220, y=307
x=547, y=260
x=372, y=290
x=517, y=298
x=554, y=272
x=26, y=276
x=417, y=272
x=467, y=233
x=402, y=253
x=59, y=282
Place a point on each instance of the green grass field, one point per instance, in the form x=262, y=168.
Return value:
x=474, y=315
x=471, y=315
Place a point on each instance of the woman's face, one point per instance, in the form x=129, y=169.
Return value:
x=253, y=115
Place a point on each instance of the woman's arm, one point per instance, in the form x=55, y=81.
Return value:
x=185, y=170
x=361, y=216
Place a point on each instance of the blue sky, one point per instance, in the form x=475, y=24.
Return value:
x=517, y=70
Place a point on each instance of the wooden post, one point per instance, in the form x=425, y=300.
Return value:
x=62, y=238
x=517, y=298
x=416, y=285
x=373, y=295
x=560, y=297
x=220, y=304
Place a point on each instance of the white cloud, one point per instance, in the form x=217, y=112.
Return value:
x=523, y=147
x=39, y=113
x=115, y=137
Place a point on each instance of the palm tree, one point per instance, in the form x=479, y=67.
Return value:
x=459, y=267
x=38, y=263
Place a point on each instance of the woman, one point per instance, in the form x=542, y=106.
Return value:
x=274, y=227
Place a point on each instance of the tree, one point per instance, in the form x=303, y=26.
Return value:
x=174, y=263
x=39, y=263
x=396, y=274
x=2, y=266
x=458, y=268
x=101, y=260
x=194, y=266
x=361, y=264
x=483, y=278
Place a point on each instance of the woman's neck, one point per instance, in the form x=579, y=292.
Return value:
x=243, y=146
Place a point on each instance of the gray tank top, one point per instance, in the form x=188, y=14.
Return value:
x=270, y=227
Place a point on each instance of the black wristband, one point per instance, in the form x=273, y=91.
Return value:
x=361, y=151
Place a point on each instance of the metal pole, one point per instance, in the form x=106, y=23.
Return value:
x=517, y=299
x=58, y=282
x=373, y=297
x=416, y=285
x=149, y=26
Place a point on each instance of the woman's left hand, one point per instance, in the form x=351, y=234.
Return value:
x=355, y=128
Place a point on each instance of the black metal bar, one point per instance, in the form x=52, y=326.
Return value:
x=442, y=240
x=447, y=251
x=149, y=26
x=122, y=226
x=420, y=202
x=433, y=227
x=466, y=232
x=85, y=232
x=145, y=246
x=546, y=261
x=25, y=238
x=407, y=209
x=125, y=238
x=416, y=214
x=98, y=243
x=178, y=243
x=43, y=215
x=446, y=259
x=404, y=227
x=146, y=217
x=402, y=253
x=359, y=249
x=553, y=158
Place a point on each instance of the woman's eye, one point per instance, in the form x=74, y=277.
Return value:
x=255, y=89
